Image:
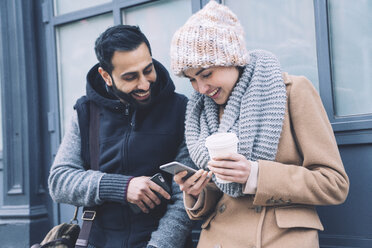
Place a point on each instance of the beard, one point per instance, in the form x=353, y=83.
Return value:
x=128, y=98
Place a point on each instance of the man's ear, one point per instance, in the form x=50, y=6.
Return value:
x=105, y=75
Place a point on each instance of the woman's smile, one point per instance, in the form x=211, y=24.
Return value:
x=215, y=93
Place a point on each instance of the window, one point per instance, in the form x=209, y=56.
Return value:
x=73, y=29
x=350, y=27
x=75, y=54
x=66, y=6
x=1, y=146
x=75, y=41
x=285, y=28
x=160, y=32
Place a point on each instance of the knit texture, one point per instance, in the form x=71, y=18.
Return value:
x=254, y=111
x=111, y=187
x=70, y=183
x=211, y=37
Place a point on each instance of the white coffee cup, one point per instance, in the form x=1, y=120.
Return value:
x=221, y=144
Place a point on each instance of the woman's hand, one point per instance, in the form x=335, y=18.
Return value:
x=233, y=167
x=194, y=184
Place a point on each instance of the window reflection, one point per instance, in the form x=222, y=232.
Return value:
x=159, y=21
x=66, y=6
x=75, y=51
x=286, y=28
x=350, y=25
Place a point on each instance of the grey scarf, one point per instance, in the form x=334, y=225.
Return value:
x=254, y=111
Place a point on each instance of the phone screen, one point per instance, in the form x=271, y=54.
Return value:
x=176, y=167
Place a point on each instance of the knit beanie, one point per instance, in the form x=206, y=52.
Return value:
x=213, y=36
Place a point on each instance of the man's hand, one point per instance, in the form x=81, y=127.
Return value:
x=141, y=191
x=194, y=184
x=233, y=167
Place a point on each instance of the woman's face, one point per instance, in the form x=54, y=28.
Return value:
x=215, y=82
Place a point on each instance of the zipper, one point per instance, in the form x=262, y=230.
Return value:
x=126, y=110
x=125, y=161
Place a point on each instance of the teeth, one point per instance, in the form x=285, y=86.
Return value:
x=142, y=94
x=213, y=92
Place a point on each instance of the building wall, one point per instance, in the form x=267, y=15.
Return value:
x=47, y=48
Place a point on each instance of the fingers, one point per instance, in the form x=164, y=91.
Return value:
x=194, y=184
x=225, y=171
x=191, y=180
x=140, y=192
x=238, y=173
x=160, y=190
x=230, y=162
x=142, y=206
x=146, y=200
x=230, y=156
x=227, y=178
x=199, y=185
x=178, y=178
x=203, y=180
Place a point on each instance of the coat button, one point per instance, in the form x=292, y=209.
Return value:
x=258, y=209
x=222, y=208
x=270, y=201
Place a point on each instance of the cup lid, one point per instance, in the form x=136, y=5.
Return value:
x=220, y=140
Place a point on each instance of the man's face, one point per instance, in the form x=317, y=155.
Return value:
x=132, y=74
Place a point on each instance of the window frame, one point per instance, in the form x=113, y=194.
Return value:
x=351, y=129
x=51, y=22
x=354, y=129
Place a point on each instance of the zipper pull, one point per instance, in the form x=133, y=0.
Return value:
x=126, y=111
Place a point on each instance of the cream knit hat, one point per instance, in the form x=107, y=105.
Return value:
x=213, y=36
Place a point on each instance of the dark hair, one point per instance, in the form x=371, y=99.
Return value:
x=118, y=38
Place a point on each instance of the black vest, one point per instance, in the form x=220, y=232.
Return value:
x=133, y=143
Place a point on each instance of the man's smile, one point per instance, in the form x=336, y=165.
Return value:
x=143, y=95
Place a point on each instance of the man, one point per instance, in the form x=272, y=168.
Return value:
x=141, y=126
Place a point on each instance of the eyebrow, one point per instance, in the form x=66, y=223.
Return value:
x=134, y=73
x=148, y=66
x=197, y=73
x=200, y=71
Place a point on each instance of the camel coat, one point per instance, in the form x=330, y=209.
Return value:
x=307, y=171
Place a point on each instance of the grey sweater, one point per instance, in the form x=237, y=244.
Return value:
x=70, y=183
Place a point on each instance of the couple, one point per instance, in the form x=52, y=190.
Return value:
x=287, y=162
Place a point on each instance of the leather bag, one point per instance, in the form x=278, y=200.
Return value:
x=68, y=235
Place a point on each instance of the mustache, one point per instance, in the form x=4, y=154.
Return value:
x=143, y=91
x=139, y=91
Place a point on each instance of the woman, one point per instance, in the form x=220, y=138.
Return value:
x=287, y=162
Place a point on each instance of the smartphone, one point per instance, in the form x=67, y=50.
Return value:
x=176, y=167
x=159, y=180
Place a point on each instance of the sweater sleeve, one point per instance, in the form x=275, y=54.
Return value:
x=70, y=183
x=175, y=225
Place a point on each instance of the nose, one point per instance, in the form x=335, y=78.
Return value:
x=202, y=87
x=143, y=84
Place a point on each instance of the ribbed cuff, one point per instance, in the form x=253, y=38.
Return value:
x=232, y=189
x=113, y=187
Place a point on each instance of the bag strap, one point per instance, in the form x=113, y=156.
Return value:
x=94, y=136
x=90, y=214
